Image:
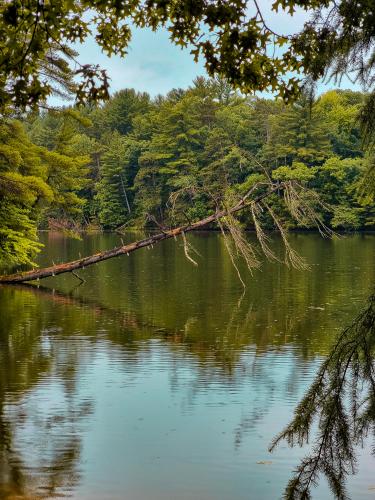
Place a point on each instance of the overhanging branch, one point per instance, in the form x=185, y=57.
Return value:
x=68, y=267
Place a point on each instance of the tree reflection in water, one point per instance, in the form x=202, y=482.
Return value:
x=341, y=400
x=27, y=359
x=34, y=352
x=49, y=340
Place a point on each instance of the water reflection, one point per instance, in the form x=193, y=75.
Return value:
x=40, y=415
x=153, y=380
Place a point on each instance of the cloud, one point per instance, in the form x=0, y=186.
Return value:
x=155, y=65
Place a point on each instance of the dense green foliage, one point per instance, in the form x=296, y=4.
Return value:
x=141, y=162
x=173, y=158
x=35, y=183
x=232, y=37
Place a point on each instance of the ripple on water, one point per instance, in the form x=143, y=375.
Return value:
x=153, y=381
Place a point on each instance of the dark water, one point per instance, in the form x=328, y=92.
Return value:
x=158, y=380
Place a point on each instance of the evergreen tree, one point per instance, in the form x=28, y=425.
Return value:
x=114, y=198
x=298, y=134
x=23, y=189
x=67, y=172
x=118, y=113
x=339, y=110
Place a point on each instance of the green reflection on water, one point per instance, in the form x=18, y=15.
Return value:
x=158, y=348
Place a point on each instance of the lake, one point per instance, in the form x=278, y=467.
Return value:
x=157, y=380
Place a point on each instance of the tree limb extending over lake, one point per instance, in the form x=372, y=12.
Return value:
x=131, y=247
x=243, y=248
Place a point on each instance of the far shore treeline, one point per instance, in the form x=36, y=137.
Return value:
x=136, y=161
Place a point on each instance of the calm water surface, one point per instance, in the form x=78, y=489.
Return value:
x=156, y=380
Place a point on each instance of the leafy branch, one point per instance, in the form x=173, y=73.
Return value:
x=342, y=401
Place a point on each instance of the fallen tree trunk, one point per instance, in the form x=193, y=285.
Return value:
x=67, y=267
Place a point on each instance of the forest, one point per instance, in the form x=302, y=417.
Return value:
x=150, y=377
x=137, y=161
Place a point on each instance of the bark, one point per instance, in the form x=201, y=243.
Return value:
x=81, y=263
x=125, y=195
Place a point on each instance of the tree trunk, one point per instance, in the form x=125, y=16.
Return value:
x=125, y=195
x=131, y=247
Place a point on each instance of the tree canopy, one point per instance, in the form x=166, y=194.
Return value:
x=233, y=38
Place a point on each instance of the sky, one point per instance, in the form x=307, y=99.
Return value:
x=155, y=65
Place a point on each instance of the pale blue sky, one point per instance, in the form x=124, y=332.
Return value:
x=155, y=65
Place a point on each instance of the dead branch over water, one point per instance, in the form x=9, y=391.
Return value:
x=229, y=226
x=69, y=267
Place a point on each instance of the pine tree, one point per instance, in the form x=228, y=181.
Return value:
x=67, y=174
x=298, y=134
x=22, y=186
x=114, y=197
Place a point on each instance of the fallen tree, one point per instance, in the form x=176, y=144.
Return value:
x=81, y=263
x=301, y=209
